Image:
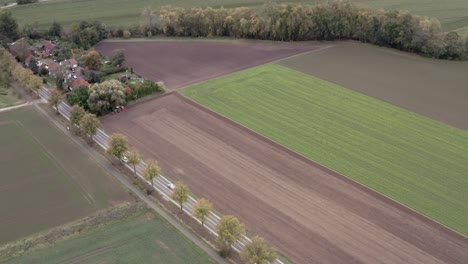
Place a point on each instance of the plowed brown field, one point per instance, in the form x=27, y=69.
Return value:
x=180, y=63
x=308, y=212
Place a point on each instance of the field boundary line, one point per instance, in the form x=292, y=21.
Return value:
x=336, y=174
x=248, y=68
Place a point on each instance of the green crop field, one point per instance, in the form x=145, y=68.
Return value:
x=138, y=239
x=46, y=179
x=410, y=158
x=453, y=14
x=433, y=88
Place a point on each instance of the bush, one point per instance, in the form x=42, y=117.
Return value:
x=24, y=2
x=3, y=91
x=127, y=34
x=138, y=91
x=111, y=70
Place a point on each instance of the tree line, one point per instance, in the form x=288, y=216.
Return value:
x=15, y=71
x=336, y=20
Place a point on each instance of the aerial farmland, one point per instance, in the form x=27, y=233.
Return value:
x=234, y=131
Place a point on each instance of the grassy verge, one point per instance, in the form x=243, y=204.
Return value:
x=412, y=159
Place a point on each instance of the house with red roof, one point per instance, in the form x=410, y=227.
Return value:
x=75, y=83
x=48, y=47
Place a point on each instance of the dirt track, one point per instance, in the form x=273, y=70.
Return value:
x=180, y=63
x=310, y=213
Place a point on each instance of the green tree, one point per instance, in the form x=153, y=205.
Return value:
x=8, y=25
x=79, y=96
x=106, y=96
x=258, y=252
x=151, y=171
x=76, y=114
x=229, y=230
x=118, y=145
x=55, y=98
x=33, y=65
x=89, y=125
x=202, y=209
x=93, y=60
x=180, y=194
x=134, y=158
x=55, y=29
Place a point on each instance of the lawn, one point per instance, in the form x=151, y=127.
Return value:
x=453, y=14
x=410, y=158
x=8, y=99
x=140, y=239
x=46, y=179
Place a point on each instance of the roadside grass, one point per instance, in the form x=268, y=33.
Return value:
x=47, y=180
x=145, y=238
x=453, y=14
x=414, y=160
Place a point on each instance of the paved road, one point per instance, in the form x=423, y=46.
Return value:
x=105, y=163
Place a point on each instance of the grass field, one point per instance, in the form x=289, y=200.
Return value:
x=433, y=88
x=8, y=99
x=453, y=14
x=46, y=179
x=139, y=239
x=412, y=159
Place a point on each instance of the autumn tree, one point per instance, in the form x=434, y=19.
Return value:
x=118, y=56
x=151, y=171
x=89, y=125
x=202, y=209
x=134, y=158
x=148, y=23
x=118, y=145
x=180, y=194
x=229, y=230
x=76, y=114
x=93, y=60
x=258, y=252
x=55, y=98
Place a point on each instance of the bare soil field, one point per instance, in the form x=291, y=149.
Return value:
x=181, y=63
x=308, y=212
x=434, y=88
x=46, y=179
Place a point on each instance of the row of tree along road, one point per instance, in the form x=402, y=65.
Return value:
x=228, y=229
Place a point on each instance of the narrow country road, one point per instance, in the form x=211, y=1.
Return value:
x=105, y=163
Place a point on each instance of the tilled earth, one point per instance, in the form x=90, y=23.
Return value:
x=181, y=63
x=311, y=214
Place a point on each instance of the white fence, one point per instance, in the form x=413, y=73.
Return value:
x=160, y=183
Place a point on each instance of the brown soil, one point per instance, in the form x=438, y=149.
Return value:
x=308, y=212
x=181, y=63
